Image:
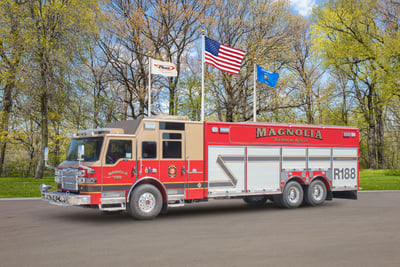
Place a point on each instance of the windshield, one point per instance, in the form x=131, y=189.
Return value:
x=92, y=148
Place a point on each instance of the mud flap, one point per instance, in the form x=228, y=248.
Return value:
x=345, y=194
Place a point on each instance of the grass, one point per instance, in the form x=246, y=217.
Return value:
x=15, y=187
x=380, y=179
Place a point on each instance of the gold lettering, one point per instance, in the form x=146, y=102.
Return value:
x=281, y=132
x=289, y=132
x=306, y=134
x=271, y=132
x=261, y=132
x=318, y=135
x=298, y=132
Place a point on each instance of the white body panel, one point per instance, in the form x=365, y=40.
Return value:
x=226, y=170
x=294, y=158
x=319, y=158
x=263, y=169
x=250, y=170
x=345, y=168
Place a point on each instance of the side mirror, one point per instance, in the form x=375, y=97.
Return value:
x=46, y=153
x=46, y=158
x=81, y=152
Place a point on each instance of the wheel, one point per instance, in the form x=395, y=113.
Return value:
x=255, y=200
x=145, y=202
x=316, y=193
x=291, y=197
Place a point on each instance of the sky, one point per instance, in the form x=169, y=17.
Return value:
x=303, y=7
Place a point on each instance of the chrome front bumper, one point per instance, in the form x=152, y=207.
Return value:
x=65, y=198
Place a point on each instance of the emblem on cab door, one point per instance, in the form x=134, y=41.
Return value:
x=172, y=171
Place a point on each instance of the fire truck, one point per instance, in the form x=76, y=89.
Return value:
x=146, y=166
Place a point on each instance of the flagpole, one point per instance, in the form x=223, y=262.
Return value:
x=254, y=92
x=149, y=104
x=202, y=75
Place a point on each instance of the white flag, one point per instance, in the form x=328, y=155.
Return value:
x=164, y=68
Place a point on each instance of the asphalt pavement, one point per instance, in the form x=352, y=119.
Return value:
x=363, y=232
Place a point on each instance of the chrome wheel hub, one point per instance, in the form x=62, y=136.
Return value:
x=317, y=192
x=294, y=195
x=147, y=202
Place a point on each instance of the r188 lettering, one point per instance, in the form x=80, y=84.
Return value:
x=344, y=173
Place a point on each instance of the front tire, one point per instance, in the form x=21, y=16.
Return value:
x=291, y=197
x=316, y=193
x=145, y=202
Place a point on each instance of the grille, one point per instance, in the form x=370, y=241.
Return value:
x=69, y=183
x=69, y=179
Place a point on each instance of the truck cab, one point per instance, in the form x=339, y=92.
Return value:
x=127, y=155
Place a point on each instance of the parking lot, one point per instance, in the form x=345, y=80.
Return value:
x=363, y=232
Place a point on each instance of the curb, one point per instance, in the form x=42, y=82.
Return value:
x=20, y=198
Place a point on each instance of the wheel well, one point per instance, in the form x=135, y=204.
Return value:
x=152, y=181
x=297, y=179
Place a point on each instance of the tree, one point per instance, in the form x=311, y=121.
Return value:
x=59, y=29
x=308, y=71
x=348, y=36
x=166, y=29
x=263, y=29
x=12, y=34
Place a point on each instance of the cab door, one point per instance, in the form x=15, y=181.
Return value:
x=119, y=165
x=173, y=171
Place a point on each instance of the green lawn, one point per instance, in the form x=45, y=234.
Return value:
x=23, y=187
x=380, y=179
x=29, y=187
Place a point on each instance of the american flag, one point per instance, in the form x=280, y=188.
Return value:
x=223, y=57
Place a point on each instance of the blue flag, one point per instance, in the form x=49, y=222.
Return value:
x=267, y=77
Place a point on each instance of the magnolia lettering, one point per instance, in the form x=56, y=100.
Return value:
x=264, y=132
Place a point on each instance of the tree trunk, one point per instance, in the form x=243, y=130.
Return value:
x=172, y=96
x=5, y=119
x=371, y=131
x=44, y=134
x=380, y=138
x=45, y=116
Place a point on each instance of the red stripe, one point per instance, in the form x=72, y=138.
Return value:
x=216, y=62
x=223, y=61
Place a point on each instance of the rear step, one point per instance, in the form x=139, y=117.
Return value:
x=176, y=200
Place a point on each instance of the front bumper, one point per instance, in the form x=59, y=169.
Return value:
x=66, y=198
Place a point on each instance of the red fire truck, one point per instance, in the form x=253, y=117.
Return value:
x=146, y=166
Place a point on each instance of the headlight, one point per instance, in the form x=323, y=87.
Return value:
x=58, y=172
x=57, y=179
x=81, y=173
x=44, y=188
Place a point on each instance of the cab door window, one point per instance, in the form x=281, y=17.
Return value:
x=118, y=149
x=149, y=150
x=172, y=148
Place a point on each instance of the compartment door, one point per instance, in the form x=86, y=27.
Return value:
x=263, y=169
x=226, y=170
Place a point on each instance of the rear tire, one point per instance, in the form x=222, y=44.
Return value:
x=145, y=202
x=291, y=197
x=316, y=193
